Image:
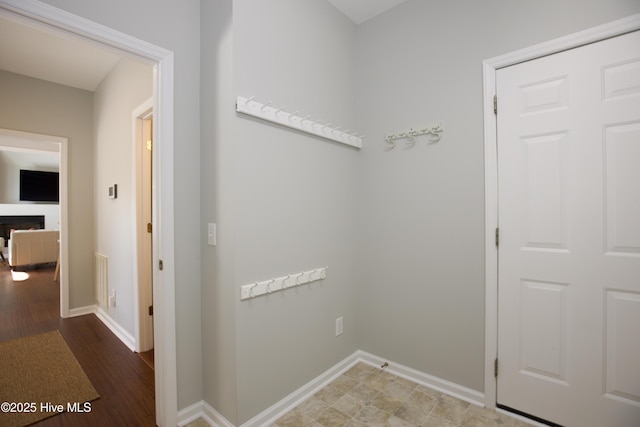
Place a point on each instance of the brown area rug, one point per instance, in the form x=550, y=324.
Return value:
x=37, y=374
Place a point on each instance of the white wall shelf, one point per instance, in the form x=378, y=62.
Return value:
x=256, y=289
x=297, y=121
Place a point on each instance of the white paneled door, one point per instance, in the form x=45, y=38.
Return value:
x=569, y=250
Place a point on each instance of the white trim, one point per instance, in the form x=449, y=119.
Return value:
x=601, y=32
x=122, y=334
x=191, y=413
x=164, y=301
x=202, y=410
x=83, y=311
x=214, y=417
x=64, y=229
x=28, y=141
x=491, y=223
x=452, y=389
x=271, y=414
x=163, y=245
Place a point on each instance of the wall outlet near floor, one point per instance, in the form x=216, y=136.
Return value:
x=112, y=299
x=339, y=326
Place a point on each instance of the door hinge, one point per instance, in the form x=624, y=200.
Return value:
x=149, y=227
x=495, y=368
x=495, y=104
x=160, y=265
x=150, y=310
x=497, y=237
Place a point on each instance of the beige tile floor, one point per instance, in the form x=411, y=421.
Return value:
x=198, y=423
x=366, y=396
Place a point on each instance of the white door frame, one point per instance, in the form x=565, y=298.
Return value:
x=489, y=68
x=38, y=13
x=143, y=323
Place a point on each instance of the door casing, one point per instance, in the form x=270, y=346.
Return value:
x=489, y=68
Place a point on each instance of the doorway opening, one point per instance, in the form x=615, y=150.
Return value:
x=164, y=324
x=143, y=146
x=26, y=142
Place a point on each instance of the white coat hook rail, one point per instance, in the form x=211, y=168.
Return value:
x=432, y=132
x=295, y=120
x=270, y=286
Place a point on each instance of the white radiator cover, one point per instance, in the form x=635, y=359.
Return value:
x=102, y=279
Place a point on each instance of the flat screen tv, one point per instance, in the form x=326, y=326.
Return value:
x=39, y=186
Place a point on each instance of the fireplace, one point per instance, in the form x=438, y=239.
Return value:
x=19, y=222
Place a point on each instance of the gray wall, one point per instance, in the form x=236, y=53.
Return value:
x=401, y=230
x=422, y=247
x=128, y=85
x=295, y=196
x=217, y=194
x=32, y=105
x=173, y=25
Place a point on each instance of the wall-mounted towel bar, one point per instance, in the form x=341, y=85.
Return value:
x=256, y=289
x=433, y=133
x=297, y=121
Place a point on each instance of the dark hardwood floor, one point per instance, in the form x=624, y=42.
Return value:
x=123, y=380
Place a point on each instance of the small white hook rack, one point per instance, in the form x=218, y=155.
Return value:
x=432, y=132
x=270, y=286
x=297, y=121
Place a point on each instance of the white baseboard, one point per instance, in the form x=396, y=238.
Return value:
x=82, y=311
x=108, y=321
x=214, y=417
x=452, y=389
x=202, y=410
x=270, y=415
x=190, y=413
x=117, y=330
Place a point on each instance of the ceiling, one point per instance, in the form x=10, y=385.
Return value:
x=361, y=10
x=46, y=54
x=43, y=53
